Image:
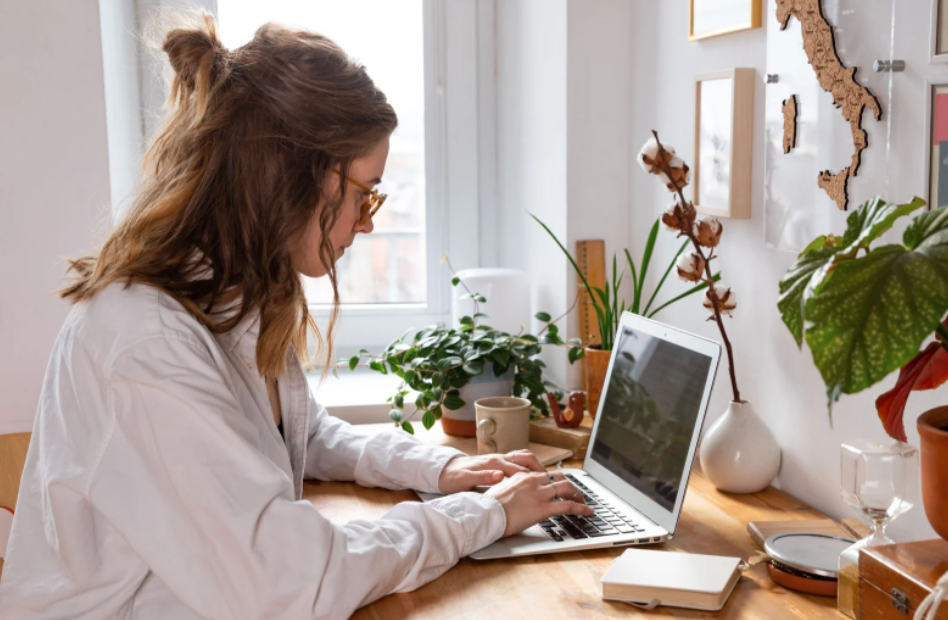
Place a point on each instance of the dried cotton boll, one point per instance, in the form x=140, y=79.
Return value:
x=708, y=232
x=690, y=267
x=670, y=219
x=648, y=155
x=727, y=299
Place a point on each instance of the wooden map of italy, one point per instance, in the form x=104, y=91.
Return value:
x=789, y=123
x=836, y=79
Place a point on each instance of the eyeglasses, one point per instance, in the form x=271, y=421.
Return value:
x=371, y=206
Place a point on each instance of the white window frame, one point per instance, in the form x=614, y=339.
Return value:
x=458, y=51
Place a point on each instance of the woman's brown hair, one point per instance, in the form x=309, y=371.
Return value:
x=234, y=176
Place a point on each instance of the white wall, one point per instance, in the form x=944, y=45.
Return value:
x=531, y=149
x=54, y=180
x=781, y=381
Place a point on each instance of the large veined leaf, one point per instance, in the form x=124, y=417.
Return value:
x=866, y=224
x=870, y=317
x=804, y=273
x=872, y=219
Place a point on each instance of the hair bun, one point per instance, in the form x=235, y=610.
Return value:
x=195, y=53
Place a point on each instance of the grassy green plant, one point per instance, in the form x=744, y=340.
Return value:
x=605, y=301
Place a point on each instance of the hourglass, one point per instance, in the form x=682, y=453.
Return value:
x=881, y=481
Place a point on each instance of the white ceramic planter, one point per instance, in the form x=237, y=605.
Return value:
x=463, y=422
x=739, y=454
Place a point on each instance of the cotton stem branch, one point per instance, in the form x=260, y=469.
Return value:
x=712, y=294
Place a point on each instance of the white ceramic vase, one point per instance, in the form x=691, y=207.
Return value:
x=739, y=454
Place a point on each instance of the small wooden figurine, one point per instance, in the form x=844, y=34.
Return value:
x=571, y=416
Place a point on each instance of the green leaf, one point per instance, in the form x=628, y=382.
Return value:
x=428, y=420
x=455, y=281
x=873, y=314
x=799, y=284
x=576, y=354
x=466, y=320
x=635, y=278
x=553, y=329
x=335, y=372
x=378, y=366
x=542, y=316
x=395, y=415
x=568, y=255
x=481, y=315
x=695, y=289
x=399, y=400
x=474, y=368
x=480, y=298
x=364, y=352
x=407, y=427
x=871, y=220
x=671, y=265
x=501, y=356
x=646, y=259
x=353, y=362
x=452, y=400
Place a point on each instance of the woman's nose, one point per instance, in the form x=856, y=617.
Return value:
x=366, y=228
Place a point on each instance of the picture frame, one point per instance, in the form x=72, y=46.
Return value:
x=938, y=41
x=724, y=143
x=936, y=150
x=712, y=18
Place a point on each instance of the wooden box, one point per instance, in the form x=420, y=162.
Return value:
x=894, y=579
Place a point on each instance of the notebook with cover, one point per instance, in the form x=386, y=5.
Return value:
x=673, y=579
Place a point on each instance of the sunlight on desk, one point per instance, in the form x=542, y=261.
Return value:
x=567, y=585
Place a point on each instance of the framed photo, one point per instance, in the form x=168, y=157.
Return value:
x=724, y=127
x=939, y=34
x=936, y=146
x=710, y=18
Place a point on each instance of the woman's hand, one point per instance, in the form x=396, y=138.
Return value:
x=466, y=472
x=530, y=498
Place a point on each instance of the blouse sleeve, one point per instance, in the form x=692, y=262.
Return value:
x=392, y=459
x=181, y=480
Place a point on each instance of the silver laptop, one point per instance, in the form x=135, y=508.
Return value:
x=642, y=445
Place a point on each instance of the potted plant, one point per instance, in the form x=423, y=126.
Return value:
x=449, y=367
x=738, y=453
x=865, y=312
x=606, y=304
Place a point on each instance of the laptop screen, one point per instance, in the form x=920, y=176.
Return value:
x=651, y=405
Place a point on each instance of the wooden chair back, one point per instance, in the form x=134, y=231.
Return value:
x=13, y=449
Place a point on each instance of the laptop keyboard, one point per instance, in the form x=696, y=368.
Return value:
x=608, y=520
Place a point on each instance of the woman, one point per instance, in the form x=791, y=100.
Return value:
x=176, y=427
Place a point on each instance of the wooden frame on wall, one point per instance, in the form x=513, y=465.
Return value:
x=723, y=155
x=932, y=174
x=741, y=22
x=938, y=42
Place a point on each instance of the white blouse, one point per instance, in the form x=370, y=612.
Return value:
x=157, y=484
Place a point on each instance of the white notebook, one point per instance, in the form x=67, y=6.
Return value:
x=674, y=579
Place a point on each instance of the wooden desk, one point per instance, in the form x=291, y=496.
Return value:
x=566, y=585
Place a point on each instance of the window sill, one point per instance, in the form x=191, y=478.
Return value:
x=357, y=397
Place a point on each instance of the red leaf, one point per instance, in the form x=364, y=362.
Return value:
x=926, y=371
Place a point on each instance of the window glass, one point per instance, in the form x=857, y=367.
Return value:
x=387, y=266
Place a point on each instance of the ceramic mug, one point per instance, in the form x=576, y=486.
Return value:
x=503, y=424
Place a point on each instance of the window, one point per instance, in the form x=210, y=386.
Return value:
x=389, y=266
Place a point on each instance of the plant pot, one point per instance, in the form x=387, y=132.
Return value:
x=739, y=453
x=933, y=433
x=595, y=365
x=463, y=422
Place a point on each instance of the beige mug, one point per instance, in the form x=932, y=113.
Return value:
x=503, y=424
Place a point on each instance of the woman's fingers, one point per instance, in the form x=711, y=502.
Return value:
x=567, y=507
x=501, y=462
x=525, y=459
x=564, y=489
